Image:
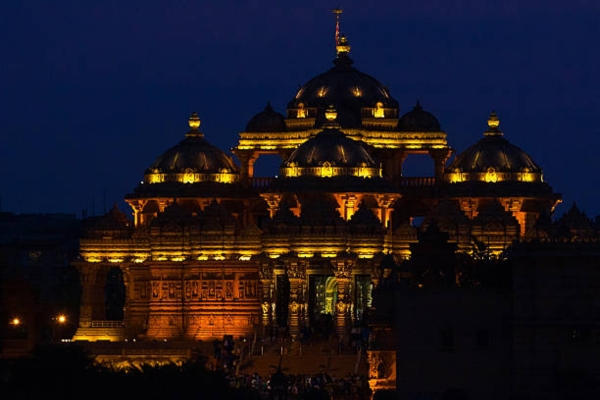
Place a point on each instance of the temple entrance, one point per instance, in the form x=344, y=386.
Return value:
x=322, y=297
x=114, y=294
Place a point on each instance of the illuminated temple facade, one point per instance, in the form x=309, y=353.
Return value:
x=211, y=249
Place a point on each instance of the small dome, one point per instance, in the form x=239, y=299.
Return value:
x=493, y=159
x=267, y=120
x=194, y=159
x=350, y=90
x=330, y=153
x=418, y=120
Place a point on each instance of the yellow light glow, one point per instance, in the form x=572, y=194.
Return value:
x=202, y=257
x=161, y=258
x=245, y=258
x=139, y=260
x=274, y=255
x=527, y=176
x=357, y=92
x=219, y=257
x=366, y=255
x=15, y=321
x=61, y=319
x=306, y=255
x=178, y=258
x=378, y=111
x=301, y=111
x=188, y=177
x=93, y=259
x=326, y=170
x=455, y=177
x=491, y=176
x=115, y=260
x=328, y=255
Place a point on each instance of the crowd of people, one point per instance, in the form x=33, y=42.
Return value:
x=321, y=386
x=230, y=353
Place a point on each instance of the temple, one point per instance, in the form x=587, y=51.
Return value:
x=211, y=249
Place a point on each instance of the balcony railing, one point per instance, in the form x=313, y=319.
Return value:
x=107, y=324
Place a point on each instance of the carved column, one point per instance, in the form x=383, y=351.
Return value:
x=440, y=156
x=89, y=277
x=266, y=279
x=342, y=269
x=296, y=272
x=247, y=159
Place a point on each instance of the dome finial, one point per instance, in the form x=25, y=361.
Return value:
x=194, y=123
x=493, y=123
x=342, y=47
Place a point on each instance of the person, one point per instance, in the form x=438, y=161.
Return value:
x=278, y=384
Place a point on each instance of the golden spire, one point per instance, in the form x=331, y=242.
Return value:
x=493, y=123
x=194, y=123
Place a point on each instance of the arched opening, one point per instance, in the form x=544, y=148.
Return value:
x=418, y=165
x=267, y=165
x=322, y=297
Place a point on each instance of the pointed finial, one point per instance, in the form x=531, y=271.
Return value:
x=194, y=123
x=418, y=105
x=269, y=107
x=343, y=47
x=493, y=123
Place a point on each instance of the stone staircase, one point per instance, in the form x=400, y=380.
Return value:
x=295, y=359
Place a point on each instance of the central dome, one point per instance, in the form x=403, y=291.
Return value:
x=354, y=94
x=330, y=153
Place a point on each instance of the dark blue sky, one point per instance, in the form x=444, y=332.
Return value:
x=93, y=91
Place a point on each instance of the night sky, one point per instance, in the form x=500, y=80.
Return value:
x=93, y=91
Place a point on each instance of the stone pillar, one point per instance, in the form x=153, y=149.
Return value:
x=440, y=156
x=342, y=269
x=247, y=159
x=266, y=279
x=89, y=279
x=296, y=272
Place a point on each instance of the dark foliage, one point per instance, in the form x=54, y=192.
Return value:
x=68, y=372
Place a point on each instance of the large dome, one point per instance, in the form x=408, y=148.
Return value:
x=192, y=160
x=267, y=120
x=493, y=159
x=354, y=94
x=418, y=120
x=330, y=153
